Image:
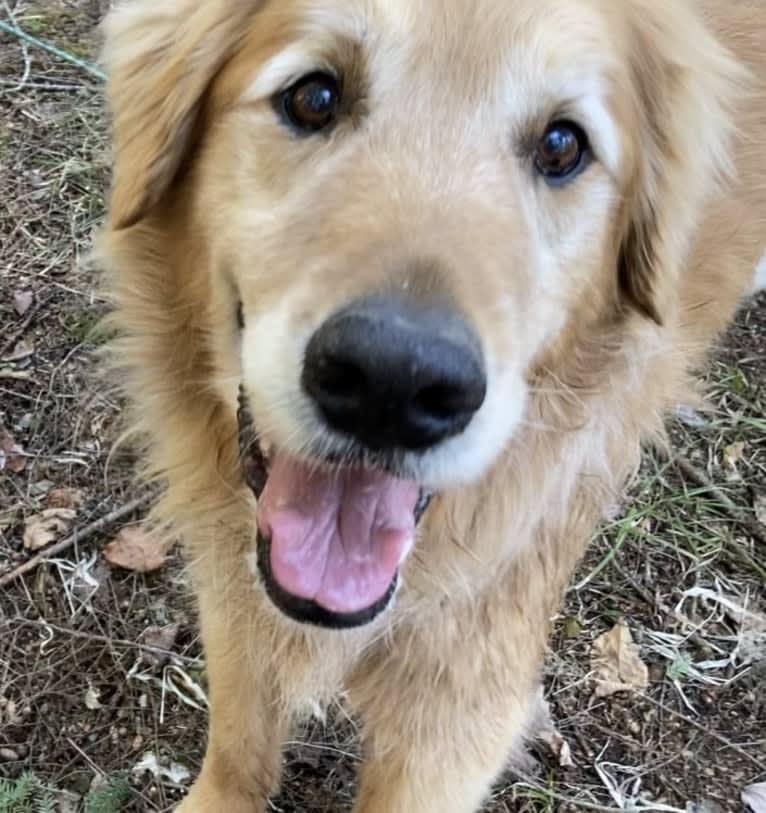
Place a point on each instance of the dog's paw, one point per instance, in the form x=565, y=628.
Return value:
x=205, y=799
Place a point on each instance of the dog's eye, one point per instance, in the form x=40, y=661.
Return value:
x=561, y=153
x=311, y=104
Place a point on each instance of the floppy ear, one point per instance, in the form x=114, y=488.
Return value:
x=161, y=56
x=684, y=84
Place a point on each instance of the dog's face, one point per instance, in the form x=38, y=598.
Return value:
x=440, y=186
x=413, y=205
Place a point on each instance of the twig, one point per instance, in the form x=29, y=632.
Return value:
x=655, y=602
x=705, y=730
x=24, y=51
x=22, y=395
x=78, y=536
x=103, y=639
x=51, y=87
x=739, y=515
x=10, y=28
x=529, y=782
x=95, y=768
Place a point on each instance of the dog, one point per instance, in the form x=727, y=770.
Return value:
x=400, y=288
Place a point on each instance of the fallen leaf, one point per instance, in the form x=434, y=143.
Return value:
x=9, y=712
x=733, y=454
x=175, y=772
x=754, y=796
x=572, y=627
x=751, y=643
x=67, y=801
x=137, y=549
x=617, y=663
x=40, y=488
x=64, y=498
x=23, y=350
x=159, y=638
x=759, y=507
x=48, y=526
x=22, y=301
x=12, y=455
x=92, y=700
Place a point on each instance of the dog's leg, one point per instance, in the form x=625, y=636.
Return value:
x=440, y=730
x=247, y=723
x=448, y=767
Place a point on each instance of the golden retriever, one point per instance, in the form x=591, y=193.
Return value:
x=367, y=254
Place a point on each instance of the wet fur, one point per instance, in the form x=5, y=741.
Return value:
x=443, y=683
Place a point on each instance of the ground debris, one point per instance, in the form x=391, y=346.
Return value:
x=616, y=663
x=138, y=549
x=47, y=527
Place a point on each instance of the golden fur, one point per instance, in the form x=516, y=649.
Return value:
x=594, y=301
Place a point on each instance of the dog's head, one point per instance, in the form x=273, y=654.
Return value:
x=412, y=205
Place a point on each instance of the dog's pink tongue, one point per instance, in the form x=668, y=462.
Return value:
x=337, y=537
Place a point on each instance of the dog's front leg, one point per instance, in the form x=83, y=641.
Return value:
x=248, y=724
x=443, y=769
x=438, y=734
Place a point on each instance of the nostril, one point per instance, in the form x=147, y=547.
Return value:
x=441, y=401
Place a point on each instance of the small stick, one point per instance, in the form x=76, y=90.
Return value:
x=103, y=639
x=709, y=732
x=659, y=604
x=78, y=536
x=739, y=515
x=12, y=28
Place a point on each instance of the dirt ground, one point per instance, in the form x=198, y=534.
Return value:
x=86, y=702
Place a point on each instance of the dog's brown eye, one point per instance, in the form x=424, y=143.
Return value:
x=561, y=152
x=311, y=104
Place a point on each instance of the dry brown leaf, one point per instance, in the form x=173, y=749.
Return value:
x=751, y=644
x=159, y=638
x=48, y=526
x=64, y=498
x=617, y=663
x=22, y=301
x=754, y=797
x=10, y=712
x=12, y=456
x=733, y=453
x=23, y=350
x=137, y=549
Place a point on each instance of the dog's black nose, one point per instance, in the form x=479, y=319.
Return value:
x=395, y=373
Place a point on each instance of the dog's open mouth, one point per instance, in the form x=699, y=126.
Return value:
x=330, y=537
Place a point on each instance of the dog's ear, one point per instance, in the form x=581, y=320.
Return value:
x=161, y=56
x=683, y=88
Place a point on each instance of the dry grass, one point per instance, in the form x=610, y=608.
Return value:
x=83, y=691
